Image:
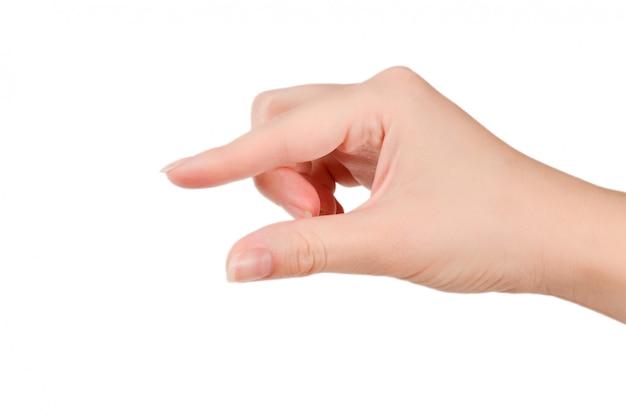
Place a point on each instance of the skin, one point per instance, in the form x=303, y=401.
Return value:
x=452, y=206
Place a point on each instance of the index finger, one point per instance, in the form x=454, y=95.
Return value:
x=302, y=134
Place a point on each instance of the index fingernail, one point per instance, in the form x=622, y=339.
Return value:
x=173, y=165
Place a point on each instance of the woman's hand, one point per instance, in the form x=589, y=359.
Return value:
x=451, y=207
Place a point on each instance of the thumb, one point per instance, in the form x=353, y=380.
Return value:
x=336, y=243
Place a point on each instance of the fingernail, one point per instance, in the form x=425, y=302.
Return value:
x=297, y=212
x=174, y=164
x=250, y=265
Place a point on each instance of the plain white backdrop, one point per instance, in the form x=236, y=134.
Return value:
x=113, y=297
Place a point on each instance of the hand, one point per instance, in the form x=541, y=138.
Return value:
x=451, y=207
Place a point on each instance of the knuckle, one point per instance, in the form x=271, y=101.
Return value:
x=398, y=72
x=264, y=107
x=400, y=88
x=400, y=77
x=310, y=256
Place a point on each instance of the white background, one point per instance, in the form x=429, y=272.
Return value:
x=113, y=297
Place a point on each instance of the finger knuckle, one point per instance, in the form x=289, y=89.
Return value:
x=264, y=107
x=310, y=256
x=400, y=77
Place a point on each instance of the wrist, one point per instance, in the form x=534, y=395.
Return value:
x=586, y=257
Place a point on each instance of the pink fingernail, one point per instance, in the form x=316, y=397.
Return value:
x=250, y=265
x=176, y=163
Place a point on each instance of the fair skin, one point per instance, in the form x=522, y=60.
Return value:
x=452, y=206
